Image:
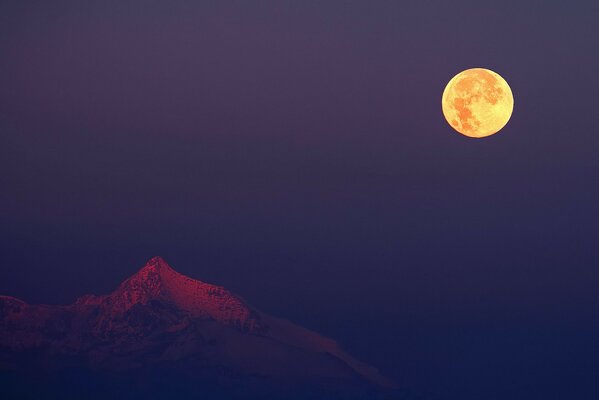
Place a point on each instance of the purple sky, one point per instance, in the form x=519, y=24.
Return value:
x=296, y=153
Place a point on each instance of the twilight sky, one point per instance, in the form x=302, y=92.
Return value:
x=296, y=153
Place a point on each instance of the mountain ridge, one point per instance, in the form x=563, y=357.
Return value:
x=157, y=280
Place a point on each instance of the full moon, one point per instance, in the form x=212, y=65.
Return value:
x=477, y=102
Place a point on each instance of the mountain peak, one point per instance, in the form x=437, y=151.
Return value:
x=158, y=263
x=157, y=281
x=151, y=277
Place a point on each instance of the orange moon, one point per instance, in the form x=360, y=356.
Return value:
x=477, y=102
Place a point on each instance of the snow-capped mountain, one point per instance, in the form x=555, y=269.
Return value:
x=163, y=320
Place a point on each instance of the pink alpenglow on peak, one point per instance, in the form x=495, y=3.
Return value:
x=158, y=281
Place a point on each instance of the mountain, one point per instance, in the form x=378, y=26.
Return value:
x=161, y=333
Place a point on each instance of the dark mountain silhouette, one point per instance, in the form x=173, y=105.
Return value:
x=161, y=334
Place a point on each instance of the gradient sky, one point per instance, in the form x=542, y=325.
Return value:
x=296, y=153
